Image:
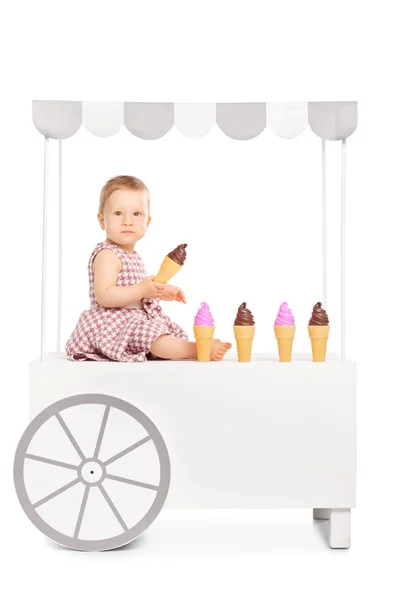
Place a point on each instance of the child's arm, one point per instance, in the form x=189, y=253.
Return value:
x=106, y=267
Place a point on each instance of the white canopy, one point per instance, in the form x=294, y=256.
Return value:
x=152, y=120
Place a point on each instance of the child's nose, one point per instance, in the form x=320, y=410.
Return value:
x=127, y=220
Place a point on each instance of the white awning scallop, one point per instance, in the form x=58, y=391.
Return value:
x=287, y=119
x=195, y=120
x=103, y=118
x=153, y=120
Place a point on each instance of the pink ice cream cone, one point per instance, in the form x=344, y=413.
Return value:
x=284, y=328
x=203, y=329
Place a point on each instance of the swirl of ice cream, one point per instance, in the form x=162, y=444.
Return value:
x=284, y=317
x=244, y=316
x=204, y=316
x=178, y=255
x=318, y=316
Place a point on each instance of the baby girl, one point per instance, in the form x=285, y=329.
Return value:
x=125, y=321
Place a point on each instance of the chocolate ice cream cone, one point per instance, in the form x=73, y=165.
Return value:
x=319, y=339
x=244, y=335
x=284, y=336
x=204, y=337
x=168, y=269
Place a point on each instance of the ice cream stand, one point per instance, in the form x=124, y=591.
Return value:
x=99, y=459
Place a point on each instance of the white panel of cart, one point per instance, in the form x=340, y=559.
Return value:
x=240, y=435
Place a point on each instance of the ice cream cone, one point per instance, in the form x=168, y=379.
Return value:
x=168, y=269
x=284, y=336
x=319, y=338
x=244, y=335
x=204, y=337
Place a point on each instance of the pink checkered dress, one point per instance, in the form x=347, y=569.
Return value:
x=120, y=334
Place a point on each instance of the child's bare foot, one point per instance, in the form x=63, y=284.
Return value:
x=219, y=349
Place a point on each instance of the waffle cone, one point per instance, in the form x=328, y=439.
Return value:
x=204, y=337
x=244, y=335
x=284, y=336
x=319, y=339
x=168, y=269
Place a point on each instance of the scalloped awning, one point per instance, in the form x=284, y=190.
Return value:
x=152, y=120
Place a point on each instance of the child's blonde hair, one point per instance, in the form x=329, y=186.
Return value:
x=122, y=182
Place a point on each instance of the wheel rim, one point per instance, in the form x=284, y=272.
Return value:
x=92, y=478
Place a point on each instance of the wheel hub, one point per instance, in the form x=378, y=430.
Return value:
x=92, y=472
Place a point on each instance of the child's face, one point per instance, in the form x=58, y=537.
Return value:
x=125, y=217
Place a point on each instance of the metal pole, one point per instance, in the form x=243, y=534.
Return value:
x=342, y=253
x=44, y=249
x=324, y=236
x=59, y=245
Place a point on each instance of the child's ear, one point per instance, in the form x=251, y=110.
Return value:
x=101, y=220
x=148, y=221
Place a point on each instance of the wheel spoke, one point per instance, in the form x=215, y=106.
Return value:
x=120, y=454
x=113, y=508
x=101, y=433
x=56, y=493
x=81, y=512
x=50, y=461
x=70, y=436
x=133, y=482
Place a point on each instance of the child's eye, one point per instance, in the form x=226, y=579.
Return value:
x=137, y=214
x=118, y=213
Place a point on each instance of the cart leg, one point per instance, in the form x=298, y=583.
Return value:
x=339, y=535
x=321, y=513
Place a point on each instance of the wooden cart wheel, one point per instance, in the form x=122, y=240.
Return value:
x=92, y=472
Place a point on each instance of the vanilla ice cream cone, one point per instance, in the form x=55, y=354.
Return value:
x=244, y=335
x=204, y=337
x=284, y=336
x=319, y=339
x=168, y=269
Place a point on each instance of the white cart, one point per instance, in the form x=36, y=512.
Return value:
x=98, y=461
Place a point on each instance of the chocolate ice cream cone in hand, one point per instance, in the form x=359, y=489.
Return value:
x=318, y=329
x=171, y=264
x=203, y=329
x=285, y=329
x=244, y=329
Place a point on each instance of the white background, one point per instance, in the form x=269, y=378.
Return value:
x=228, y=204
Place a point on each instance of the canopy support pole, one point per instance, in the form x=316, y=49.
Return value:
x=342, y=253
x=59, y=245
x=44, y=249
x=324, y=234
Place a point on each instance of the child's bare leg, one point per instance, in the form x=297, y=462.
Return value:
x=169, y=346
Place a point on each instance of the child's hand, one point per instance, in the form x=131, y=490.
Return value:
x=151, y=288
x=171, y=292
